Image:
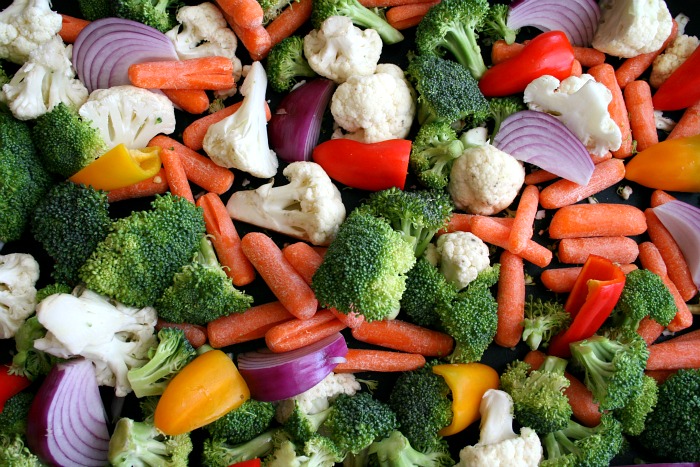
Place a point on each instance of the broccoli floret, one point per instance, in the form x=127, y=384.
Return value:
x=446, y=91
x=244, y=423
x=29, y=361
x=471, y=317
x=69, y=222
x=360, y=16
x=577, y=445
x=302, y=426
x=633, y=415
x=495, y=24
x=201, y=291
x=320, y=451
x=142, y=253
x=396, y=451
x=453, y=26
x=416, y=215
x=613, y=366
x=364, y=269
x=273, y=8
x=423, y=407
x=141, y=443
x=23, y=178
x=13, y=417
x=14, y=453
x=217, y=452
x=644, y=295
x=158, y=14
x=4, y=78
x=51, y=289
x=538, y=398
x=433, y=151
x=286, y=62
x=95, y=9
x=171, y=354
x=66, y=143
x=543, y=320
x=426, y=289
x=501, y=108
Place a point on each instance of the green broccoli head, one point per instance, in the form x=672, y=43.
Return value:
x=426, y=289
x=14, y=453
x=633, y=415
x=29, y=361
x=4, y=78
x=543, y=320
x=322, y=451
x=496, y=24
x=244, y=423
x=578, y=445
x=395, y=451
x=51, y=289
x=501, y=108
x=644, y=294
x=158, y=14
x=286, y=62
x=273, y=8
x=95, y=9
x=364, y=269
x=13, y=418
x=452, y=26
x=302, y=426
x=360, y=16
x=433, y=151
x=217, y=452
x=141, y=443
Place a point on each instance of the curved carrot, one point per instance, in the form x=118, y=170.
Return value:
x=525, y=214
x=565, y=192
x=156, y=185
x=256, y=40
x=576, y=68
x=659, y=197
x=689, y=123
x=303, y=258
x=641, y=114
x=404, y=336
x=71, y=27
x=211, y=72
x=382, y=361
x=617, y=249
x=292, y=18
x=175, y=173
x=511, y=300
x=491, y=231
x=633, y=68
x=195, y=334
x=250, y=325
x=561, y=280
x=597, y=220
x=194, y=101
x=297, y=333
x=605, y=74
x=588, y=56
x=245, y=13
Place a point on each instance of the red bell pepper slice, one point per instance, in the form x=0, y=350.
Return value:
x=365, y=166
x=593, y=297
x=249, y=463
x=550, y=53
x=682, y=88
x=10, y=385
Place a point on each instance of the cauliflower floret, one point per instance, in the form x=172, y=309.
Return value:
x=45, y=80
x=240, y=140
x=113, y=336
x=309, y=207
x=318, y=398
x=485, y=180
x=631, y=27
x=129, y=115
x=678, y=52
x=18, y=275
x=24, y=26
x=581, y=104
x=377, y=107
x=339, y=49
x=463, y=256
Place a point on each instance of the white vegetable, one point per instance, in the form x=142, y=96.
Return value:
x=318, y=398
x=463, y=256
x=666, y=63
x=24, y=26
x=18, y=275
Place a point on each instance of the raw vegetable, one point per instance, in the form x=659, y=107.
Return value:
x=119, y=167
x=672, y=165
x=681, y=89
x=681, y=219
x=140, y=443
x=577, y=19
x=11, y=384
x=360, y=15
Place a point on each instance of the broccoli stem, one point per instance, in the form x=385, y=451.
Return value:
x=367, y=18
x=462, y=43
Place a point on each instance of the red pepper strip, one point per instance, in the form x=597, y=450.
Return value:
x=682, y=88
x=593, y=297
x=249, y=463
x=550, y=53
x=365, y=166
x=10, y=385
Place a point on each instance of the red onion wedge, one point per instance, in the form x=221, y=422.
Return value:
x=296, y=124
x=540, y=139
x=682, y=220
x=276, y=376
x=578, y=19
x=67, y=424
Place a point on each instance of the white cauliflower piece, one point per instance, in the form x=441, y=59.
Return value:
x=485, y=180
x=309, y=207
x=318, y=398
x=581, y=104
x=129, y=115
x=463, y=256
x=662, y=122
x=377, y=107
x=666, y=63
x=24, y=26
x=18, y=275
x=46, y=79
x=240, y=140
x=631, y=27
x=339, y=49
x=115, y=337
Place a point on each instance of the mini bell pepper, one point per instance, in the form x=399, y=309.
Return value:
x=672, y=165
x=682, y=88
x=468, y=383
x=120, y=167
x=249, y=463
x=550, y=53
x=11, y=385
x=365, y=166
x=591, y=300
x=207, y=388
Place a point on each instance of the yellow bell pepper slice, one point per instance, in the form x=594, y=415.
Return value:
x=120, y=167
x=672, y=165
x=468, y=383
x=206, y=389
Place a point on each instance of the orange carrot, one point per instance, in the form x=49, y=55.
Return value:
x=674, y=355
x=250, y=325
x=71, y=27
x=245, y=13
x=538, y=176
x=383, y=361
x=156, y=185
x=297, y=333
x=350, y=320
x=633, y=68
x=588, y=56
x=407, y=23
x=495, y=233
x=576, y=68
x=292, y=18
x=641, y=113
x=200, y=170
x=561, y=280
x=605, y=73
x=396, y=15
x=617, y=249
x=525, y=214
x=688, y=125
x=511, y=300
x=256, y=40
x=175, y=173
x=660, y=376
x=390, y=3
x=194, y=101
x=687, y=336
x=195, y=334
x=564, y=192
x=303, y=258
x=284, y=282
x=500, y=51
x=676, y=265
x=212, y=72
x=404, y=336
x=650, y=330
x=597, y=220
x=461, y=222
x=194, y=133
x=659, y=197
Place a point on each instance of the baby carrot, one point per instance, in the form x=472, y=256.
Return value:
x=605, y=73
x=256, y=40
x=500, y=51
x=195, y=334
x=303, y=258
x=659, y=197
x=660, y=376
x=525, y=214
x=350, y=320
x=194, y=133
x=633, y=68
x=650, y=330
x=565, y=192
x=511, y=300
x=175, y=173
x=212, y=72
x=357, y=360
x=245, y=13
x=292, y=18
x=297, y=333
x=404, y=336
x=674, y=355
x=156, y=185
x=617, y=249
x=407, y=23
x=576, y=68
x=588, y=56
x=689, y=123
x=194, y=101
x=495, y=233
x=641, y=113
x=390, y=3
x=250, y=325
x=597, y=220
x=461, y=222
x=396, y=15
x=561, y=280
x=71, y=27
x=284, y=282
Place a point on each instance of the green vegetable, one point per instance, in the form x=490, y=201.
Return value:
x=426, y=289
x=543, y=320
x=159, y=14
x=95, y=9
x=273, y=8
x=644, y=294
x=219, y=453
x=14, y=453
x=433, y=151
x=243, y=423
x=577, y=445
x=13, y=418
x=286, y=62
x=321, y=451
x=28, y=361
x=56, y=287
x=396, y=451
x=360, y=16
x=633, y=415
x=301, y=426
x=495, y=24
x=140, y=443
x=501, y=108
